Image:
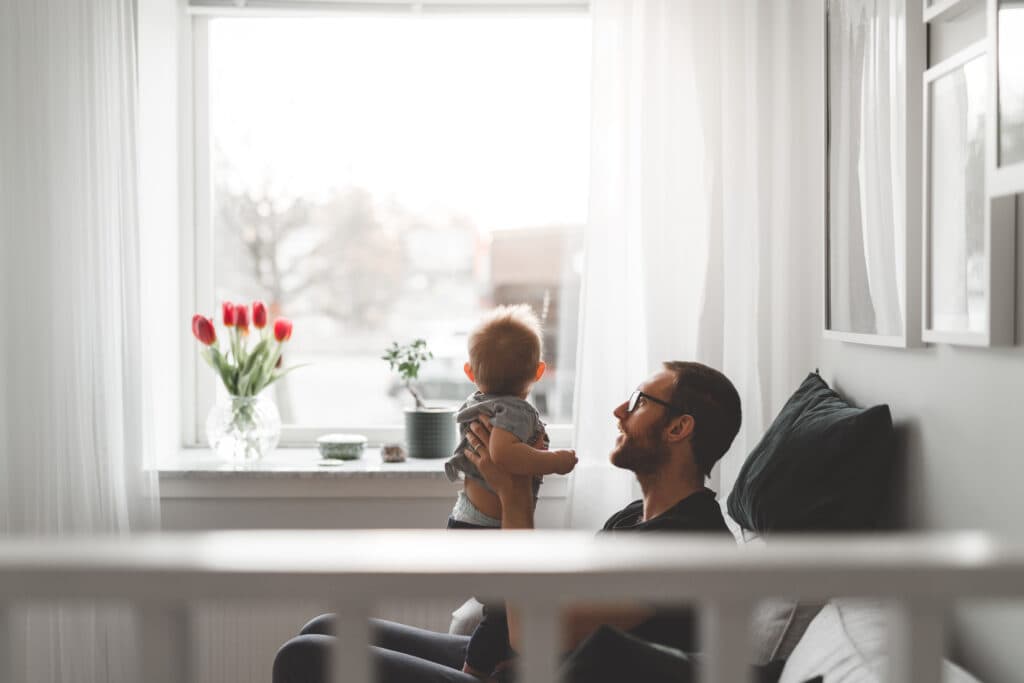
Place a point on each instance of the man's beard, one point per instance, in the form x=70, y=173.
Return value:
x=641, y=455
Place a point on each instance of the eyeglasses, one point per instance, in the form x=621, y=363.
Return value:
x=635, y=397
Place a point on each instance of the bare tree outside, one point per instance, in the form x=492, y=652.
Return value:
x=375, y=185
x=332, y=258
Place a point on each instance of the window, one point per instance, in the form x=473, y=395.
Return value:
x=384, y=177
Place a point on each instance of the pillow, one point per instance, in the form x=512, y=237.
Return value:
x=818, y=467
x=846, y=643
x=777, y=623
x=466, y=618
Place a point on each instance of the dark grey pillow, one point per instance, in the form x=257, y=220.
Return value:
x=823, y=465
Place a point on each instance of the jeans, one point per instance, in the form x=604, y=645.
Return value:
x=400, y=654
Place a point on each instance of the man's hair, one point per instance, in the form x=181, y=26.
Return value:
x=712, y=400
x=504, y=350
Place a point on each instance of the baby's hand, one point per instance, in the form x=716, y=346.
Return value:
x=565, y=461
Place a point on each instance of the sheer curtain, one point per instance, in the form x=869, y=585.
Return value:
x=700, y=175
x=72, y=441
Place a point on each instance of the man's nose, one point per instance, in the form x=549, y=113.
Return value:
x=620, y=411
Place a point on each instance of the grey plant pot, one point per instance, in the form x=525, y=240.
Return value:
x=430, y=432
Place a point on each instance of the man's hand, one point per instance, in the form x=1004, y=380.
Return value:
x=515, y=491
x=479, y=436
x=565, y=461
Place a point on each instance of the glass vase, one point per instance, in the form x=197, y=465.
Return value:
x=243, y=429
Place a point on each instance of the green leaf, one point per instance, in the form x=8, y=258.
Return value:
x=281, y=373
x=256, y=357
x=258, y=382
x=406, y=360
x=225, y=369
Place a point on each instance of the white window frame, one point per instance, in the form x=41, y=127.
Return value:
x=199, y=385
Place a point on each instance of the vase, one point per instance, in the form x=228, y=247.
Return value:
x=243, y=429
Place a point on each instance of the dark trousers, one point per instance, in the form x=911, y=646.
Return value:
x=400, y=654
x=489, y=645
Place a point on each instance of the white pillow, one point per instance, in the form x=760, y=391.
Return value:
x=466, y=617
x=846, y=643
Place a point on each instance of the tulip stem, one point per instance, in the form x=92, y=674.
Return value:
x=244, y=425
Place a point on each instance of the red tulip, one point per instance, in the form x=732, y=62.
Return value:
x=282, y=329
x=259, y=314
x=203, y=329
x=242, y=318
x=229, y=313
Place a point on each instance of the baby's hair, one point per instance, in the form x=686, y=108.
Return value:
x=504, y=350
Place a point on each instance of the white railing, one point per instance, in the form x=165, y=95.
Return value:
x=537, y=570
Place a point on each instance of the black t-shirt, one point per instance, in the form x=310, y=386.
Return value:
x=673, y=627
x=698, y=512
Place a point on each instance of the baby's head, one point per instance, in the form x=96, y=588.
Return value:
x=505, y=351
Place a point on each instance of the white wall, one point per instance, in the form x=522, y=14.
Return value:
x=196, y=514
x=961, y=425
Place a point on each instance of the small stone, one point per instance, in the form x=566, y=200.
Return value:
x=392, y=452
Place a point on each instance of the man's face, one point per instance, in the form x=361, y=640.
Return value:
x=641, y=446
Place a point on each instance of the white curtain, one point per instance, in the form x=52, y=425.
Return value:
x=699, y=179
x=72, y=440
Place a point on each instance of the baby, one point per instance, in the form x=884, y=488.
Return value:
x=504, y=363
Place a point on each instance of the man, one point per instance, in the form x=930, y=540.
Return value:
x=673, y=429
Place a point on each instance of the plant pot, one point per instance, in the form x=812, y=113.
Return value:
x=430, y=432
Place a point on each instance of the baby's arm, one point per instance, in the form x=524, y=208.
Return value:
x=516, y=457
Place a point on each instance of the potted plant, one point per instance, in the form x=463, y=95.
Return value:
x=429, y=431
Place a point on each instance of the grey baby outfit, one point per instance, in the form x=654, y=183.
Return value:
x=507, y=412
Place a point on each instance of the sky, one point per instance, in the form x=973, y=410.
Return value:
x=488, y=117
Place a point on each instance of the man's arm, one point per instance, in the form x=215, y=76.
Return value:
x=514, y=491
x=516, y=457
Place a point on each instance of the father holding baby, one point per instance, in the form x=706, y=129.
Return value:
x=673, y=429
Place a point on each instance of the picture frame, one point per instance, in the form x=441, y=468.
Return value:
x=968, y=236
x=872, y=234
x=945, y=10
x=1005, y=141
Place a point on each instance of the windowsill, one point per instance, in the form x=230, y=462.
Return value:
x=302, y=473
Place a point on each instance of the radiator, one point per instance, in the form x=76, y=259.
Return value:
x=236, y=643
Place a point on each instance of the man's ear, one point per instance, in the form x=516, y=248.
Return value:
x=468, y=369
x=541, y=367
x=681, y=428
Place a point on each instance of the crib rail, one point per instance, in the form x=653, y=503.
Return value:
x=537, y=570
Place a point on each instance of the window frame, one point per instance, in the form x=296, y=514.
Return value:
x=198, y=388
